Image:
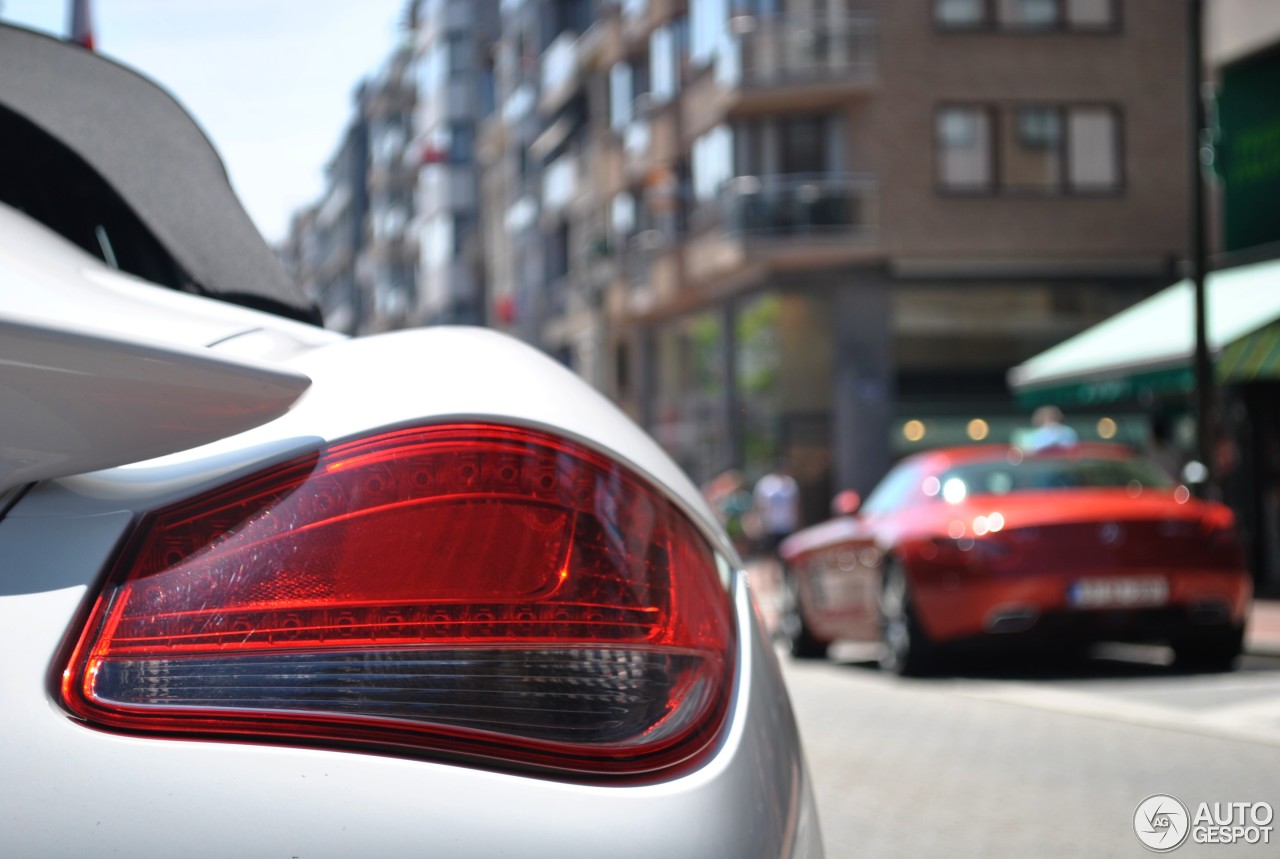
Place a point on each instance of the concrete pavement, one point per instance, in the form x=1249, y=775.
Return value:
x=1262, y=635
x=1017, y=765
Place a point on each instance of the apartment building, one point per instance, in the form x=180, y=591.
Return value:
x=539, y=203
x=453, y=78
x=820, y=231
x=325, y=239
x=350, y=250
x=393, y=242
x=389, y=251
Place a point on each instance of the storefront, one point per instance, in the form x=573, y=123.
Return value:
x=1142, y=357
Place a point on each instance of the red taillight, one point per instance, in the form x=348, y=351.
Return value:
x=472, y=590
x=1218, y=525
x=983, y=553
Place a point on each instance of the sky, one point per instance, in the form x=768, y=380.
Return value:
x=270, y=81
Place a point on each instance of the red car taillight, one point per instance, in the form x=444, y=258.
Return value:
x=982, y=552
x=474, y=591
x=1217, y=524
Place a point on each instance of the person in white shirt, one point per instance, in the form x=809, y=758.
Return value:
x=777, y=503
x=1050, y=431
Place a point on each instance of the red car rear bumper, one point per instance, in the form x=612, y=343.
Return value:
x=1120, y=603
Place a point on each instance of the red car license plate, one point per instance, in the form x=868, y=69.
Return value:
x=1119, y=592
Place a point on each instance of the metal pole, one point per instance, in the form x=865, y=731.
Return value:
x=1206, y=424
x=732, y=401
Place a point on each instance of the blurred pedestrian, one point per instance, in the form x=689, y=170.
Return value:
x=728, y=497
x=777, y=504
x=1164, y=451
x=1050, y=429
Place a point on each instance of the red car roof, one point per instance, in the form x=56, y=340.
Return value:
x=946, y=457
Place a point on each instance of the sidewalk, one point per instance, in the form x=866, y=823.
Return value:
x=1263, y=633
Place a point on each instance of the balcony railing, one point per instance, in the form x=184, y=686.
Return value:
x=799, y=204
x=639, y=253
x=560, y=183
x=636, y=138
x=779, y=51
x=560, y=65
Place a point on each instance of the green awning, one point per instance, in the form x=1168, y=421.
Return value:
x=1147, y=349
x=1254, y=356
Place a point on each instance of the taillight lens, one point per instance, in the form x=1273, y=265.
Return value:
x=474, y=590
x=1217, y=523
x=982, y=552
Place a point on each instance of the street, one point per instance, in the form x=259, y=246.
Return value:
x=1015, y=759
x=1017, y=762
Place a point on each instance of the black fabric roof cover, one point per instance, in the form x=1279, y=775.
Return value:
x=152, y=153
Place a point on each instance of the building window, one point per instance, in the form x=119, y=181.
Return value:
x=804, y=143
x=621, y=100
x=1093, y=142
x=458, y=54
x=568, y=15
x=707, y=22
x=1030, y=149
x=712, y=162
x=1092, y=14
x=622, y=219
x=663, y=64
x=960, y=14
x=792, y=144
x=463, y=227
x=437, y=240
x=964, y=149
x=622, y=370
x=1027, y=15
x=462, y=142
x=1039, y=149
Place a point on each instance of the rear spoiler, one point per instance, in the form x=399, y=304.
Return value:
x=74, y=399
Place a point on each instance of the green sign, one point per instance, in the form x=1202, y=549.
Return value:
x=1249, y=150
x=1138, y=387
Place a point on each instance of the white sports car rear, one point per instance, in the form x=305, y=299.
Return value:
x=265, y=590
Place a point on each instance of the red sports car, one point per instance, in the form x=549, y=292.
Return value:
x=1058, y=548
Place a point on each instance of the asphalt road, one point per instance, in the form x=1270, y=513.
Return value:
x=1021, y=761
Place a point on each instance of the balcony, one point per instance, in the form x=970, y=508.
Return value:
x=519, y=104
x=561, y=72
x=635, y=143
x=801, y=204
x=446, y=187
x=389, y=96
x=771, y=52
x=560, y=183
x=651, y=272
x=652, y=139
x=787, y=221
x=641, y=17
x=766, y=65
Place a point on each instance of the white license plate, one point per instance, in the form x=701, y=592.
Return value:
x=1119, y=592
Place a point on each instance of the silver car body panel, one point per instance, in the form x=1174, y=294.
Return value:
x=72, y=790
